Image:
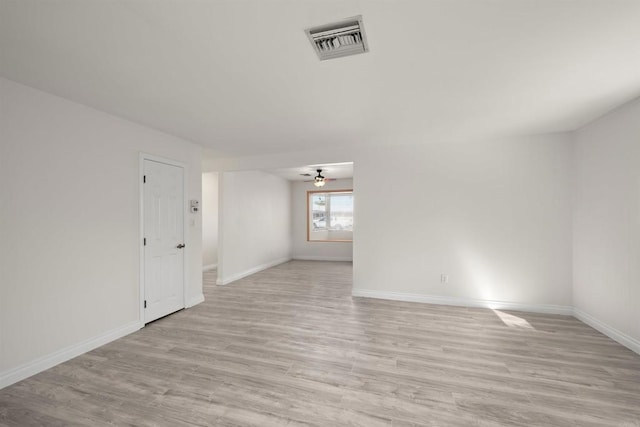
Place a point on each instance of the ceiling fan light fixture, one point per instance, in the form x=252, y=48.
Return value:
x=319, y=180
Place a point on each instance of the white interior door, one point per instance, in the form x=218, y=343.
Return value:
x=163, y=224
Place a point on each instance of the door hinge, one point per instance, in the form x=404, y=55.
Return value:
x=144, y=179
x=144, y=241
x=145, y=303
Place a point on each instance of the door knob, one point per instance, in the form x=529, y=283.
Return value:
x=180, y=246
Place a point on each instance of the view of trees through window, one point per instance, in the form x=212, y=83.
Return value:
x=330, y=215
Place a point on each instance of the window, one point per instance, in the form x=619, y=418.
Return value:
x=330, y=216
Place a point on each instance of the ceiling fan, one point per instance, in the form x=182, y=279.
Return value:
x=318, y=180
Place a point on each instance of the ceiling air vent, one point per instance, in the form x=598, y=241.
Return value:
x=339, y=39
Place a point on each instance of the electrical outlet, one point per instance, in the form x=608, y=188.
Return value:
x=444, y=278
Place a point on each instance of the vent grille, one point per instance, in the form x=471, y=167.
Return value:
x=339, y=39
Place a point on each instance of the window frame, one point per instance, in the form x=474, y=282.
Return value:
x=310, y=193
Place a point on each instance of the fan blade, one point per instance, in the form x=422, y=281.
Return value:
x=326, y=180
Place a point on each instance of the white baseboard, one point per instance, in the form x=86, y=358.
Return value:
x=249, y=272
x=195, y=300
x=43, y=363
x=322, y=258
x=616, y=335
x=464, y=302
x=209, y=267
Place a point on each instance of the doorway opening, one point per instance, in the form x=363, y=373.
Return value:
x=209, y=221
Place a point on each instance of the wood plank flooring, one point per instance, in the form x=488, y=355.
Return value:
x=290, y=347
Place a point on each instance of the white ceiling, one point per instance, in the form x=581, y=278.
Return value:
x=241, y=78
x=331, y=171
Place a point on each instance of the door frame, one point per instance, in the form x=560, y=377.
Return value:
x=185, y=275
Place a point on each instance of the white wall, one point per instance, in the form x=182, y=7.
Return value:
x=321, y=251
x=69, y=243
x=494, y=216
x=255, y=223
x=606, y=232
x=209, y=220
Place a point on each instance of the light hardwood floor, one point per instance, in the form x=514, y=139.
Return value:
x=290, y=347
